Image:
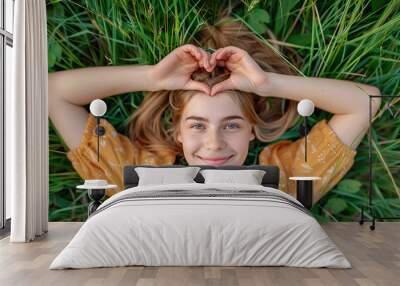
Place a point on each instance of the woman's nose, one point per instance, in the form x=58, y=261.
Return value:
x=215, y=140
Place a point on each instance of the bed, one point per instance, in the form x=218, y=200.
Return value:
x=201, y=224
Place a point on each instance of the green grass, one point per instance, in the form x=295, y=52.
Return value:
x=342, y=39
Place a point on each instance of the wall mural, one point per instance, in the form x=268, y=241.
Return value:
x=218, y=83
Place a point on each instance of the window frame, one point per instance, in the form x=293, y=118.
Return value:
x=6, y=39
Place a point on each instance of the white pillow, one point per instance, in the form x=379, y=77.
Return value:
x=249, y=177
x=162, y=176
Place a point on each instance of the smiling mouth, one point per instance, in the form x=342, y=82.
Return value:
x=215, y=160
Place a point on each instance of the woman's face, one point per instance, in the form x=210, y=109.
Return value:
x=214, y=131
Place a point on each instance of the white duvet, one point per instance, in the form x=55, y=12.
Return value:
x=182, y=231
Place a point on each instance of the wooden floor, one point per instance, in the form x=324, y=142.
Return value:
x=374, y=255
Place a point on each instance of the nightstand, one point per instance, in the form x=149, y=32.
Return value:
x=304, y=189
x=96, y=190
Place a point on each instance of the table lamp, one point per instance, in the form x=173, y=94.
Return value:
x=97, y=188
x=305, y=108
x=98, y=108
x=304, y=185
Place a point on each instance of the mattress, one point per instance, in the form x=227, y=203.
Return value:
x=201, y=225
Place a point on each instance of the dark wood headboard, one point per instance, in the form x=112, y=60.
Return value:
x=270, y=179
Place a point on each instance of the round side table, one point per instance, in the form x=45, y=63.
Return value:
x=95, y=195
x=304, y=190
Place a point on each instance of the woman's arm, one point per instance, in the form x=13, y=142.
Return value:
x=348, y=101
x=70, y=90
x=81, y=86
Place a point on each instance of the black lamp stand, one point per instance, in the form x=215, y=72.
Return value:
x=100, y=131
x=95, y=195
x=304, y=192
x=304, y=185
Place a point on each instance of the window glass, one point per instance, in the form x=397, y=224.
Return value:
x=1, y=14
x=9, y=62
x=9, y=21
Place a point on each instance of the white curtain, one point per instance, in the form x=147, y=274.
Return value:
x=27, y=124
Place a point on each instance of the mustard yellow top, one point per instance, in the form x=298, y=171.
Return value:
x=327, y=157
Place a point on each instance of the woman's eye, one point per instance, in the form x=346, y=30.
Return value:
x=232, y=125
x=201, y=126
x=197, y=126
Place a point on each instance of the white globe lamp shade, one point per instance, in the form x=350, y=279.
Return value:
x=98, y=107
x=305, y=107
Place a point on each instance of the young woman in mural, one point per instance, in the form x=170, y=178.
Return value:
x=215, y=103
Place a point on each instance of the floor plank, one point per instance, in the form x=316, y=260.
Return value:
x=374, y=255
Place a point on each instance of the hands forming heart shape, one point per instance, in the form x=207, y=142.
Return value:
x=175, y=70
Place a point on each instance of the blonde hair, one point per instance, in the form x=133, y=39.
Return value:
x=154, y=125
